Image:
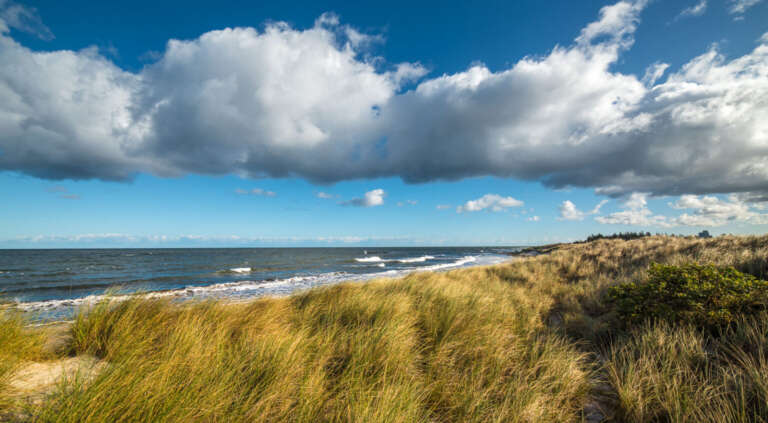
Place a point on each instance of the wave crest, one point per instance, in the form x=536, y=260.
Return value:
x=421, y=259
x=371, y=259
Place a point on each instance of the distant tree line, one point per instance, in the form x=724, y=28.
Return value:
x=626, y=236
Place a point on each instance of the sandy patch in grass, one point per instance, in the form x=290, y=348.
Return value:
x=39, y=378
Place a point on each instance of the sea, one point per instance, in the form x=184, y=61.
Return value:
x=53, y=284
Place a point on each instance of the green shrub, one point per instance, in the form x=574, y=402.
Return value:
x=702, y=295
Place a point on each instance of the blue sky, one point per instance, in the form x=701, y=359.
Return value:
x=343, y=123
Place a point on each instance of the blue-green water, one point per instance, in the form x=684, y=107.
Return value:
x=55, y=282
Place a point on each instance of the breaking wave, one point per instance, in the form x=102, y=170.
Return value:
x=372, y=259
x=416, y=259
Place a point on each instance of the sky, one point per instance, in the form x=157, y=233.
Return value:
x=334, y=123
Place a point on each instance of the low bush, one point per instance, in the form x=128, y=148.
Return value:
x=702, y=295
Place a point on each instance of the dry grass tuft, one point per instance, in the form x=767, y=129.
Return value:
x=18, y=344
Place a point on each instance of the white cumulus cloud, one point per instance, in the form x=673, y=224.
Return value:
x=713, y=211
x=312, y=103
x=697, y=210
x=568, y=210
x=371, y=198
x=493, y=202
x=635, y=213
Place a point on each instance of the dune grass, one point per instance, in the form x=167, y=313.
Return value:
x=431, y=347
x=534, y=340
x=18, y=343
x=661, y=371
x=680, y=374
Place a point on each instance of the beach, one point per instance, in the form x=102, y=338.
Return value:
x=533, y=339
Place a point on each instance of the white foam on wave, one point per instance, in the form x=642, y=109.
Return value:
x=241, y=270
x=88, y=300
x=377, y=259
x=458, y=263
x=221, y=290
x=233, y=287
x=421, y=259
x=371, y=259
x=190, y=291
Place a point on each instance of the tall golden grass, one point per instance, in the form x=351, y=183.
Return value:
x=430, y=347
x=660, y=371
x=533, y=340
x=18, y=344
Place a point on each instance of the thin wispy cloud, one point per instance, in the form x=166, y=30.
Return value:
x=56, y=189
x=697, y=9
x=257, y=192
x=23, y=18
x=325, y=195
x=739, y=7
x=654, y=73
x=133, y=239
x=62, y=192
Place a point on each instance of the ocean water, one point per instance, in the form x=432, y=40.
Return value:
x=53, y=283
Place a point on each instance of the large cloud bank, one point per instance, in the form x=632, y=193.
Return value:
x=313, y=104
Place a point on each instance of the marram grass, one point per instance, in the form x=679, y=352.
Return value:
x=432, y=347
x=534, y=340
x=18, y=344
